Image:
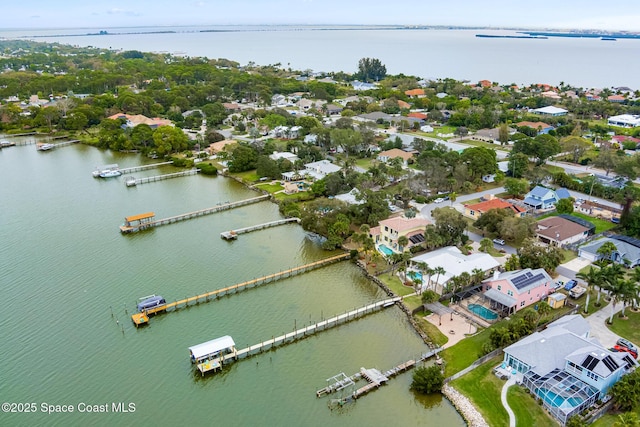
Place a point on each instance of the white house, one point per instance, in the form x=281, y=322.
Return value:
x=625, y=121
x=550, y=111
x=320, y=169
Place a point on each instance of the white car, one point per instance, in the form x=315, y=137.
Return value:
x=438, y=200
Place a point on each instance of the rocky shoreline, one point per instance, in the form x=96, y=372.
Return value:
x=464, y=407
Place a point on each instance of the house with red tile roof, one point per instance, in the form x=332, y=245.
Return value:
x=387, y=233
x=541, y=127
x=385, y=156
x=403, y=105
x=417, y=115
x=616, y=98
x=414, y=93
x=139, y=119
x=485, y=83
x=476, y=210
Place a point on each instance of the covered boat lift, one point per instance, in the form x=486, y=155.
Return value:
x=209, y=355
x=137, y=222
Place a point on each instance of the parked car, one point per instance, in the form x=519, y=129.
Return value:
x=620, y=349
x=557, y=285
x=438, y=200
x=498, y=242
x=577, y=291
x=626, y=343
x=570, y=285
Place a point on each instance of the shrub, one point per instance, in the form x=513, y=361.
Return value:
x=207, y=169
x=427, y=380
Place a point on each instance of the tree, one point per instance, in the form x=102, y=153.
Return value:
x=213, y=136
x=480, y=161
x=515, y=228
x=371, y=69
x=518, y=164
x=565, y=206
x=516, y=187
x=503, y=134
x=450, y=224
x=403, y=241
x=626, y=392
x=606, y=250
x=168, y=139
x=512, y=263
x=607, y=159
x=592, y=278
x=491, y=220
x=628, y=419
x=243, y=158
x=575, y=147
x=533, y=256
x=486, y=244
x=427, y=380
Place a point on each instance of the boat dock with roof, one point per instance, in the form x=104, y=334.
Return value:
x=217, y=360
x=140, y=222
x=143, y=316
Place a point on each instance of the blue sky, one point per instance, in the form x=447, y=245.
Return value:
x=597, y=14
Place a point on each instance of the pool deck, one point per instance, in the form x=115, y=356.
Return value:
x=455, y=327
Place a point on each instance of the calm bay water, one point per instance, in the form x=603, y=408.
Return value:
x=64, y=267
x=425, y=53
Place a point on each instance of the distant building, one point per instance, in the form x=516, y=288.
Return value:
x=550, y=111
x=625, y=121
x=627, y=250
x=541, y=127
x=385, y=156
x=558, y=231
x=414, y=93
x=476, y=210
x=138, y=119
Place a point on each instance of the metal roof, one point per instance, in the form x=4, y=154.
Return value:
x=212, y=347
x=140, y=216
x=501, y=298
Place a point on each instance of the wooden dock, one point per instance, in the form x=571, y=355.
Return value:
x=373, y=377
x=143, y=317
x=233, y=234
x=300, y=333
x=133, y=181
x=56, y=144
x=144, y=167
x=129, y=227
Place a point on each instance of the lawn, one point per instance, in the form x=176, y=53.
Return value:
x=394, y=283
x=483, y=388
x=464, y=353
x=568, y=255
x=627, y=328
x=271, y=188
x=528, y=412
x=601, y=224
x=437, y=337
x=248, y=176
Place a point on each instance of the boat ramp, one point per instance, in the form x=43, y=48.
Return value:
x=132, y=181
x=141, y=222
x=143, y=317
x=218, y=361
x=233, y=234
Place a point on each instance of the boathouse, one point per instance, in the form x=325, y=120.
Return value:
x=208, y=354
x=137, y=222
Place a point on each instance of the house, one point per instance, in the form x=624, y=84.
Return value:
x=485, y=83
x=476, y=210
x=403, y=105
x=541, y=198
x=387, y=233
x=231, y=107
x=283, y=155
x=550, y=111
x=627, y=250
x=621, y=139
x=320, y=169
x=362, y=85
x=350, y=198
x=550, y=94
x=541, y=127
x=511, y=291
x=616, y=98
x=491, y=136
x=332, y=109
x=414, y=93
x=625, y=120
x=454, y=262
x=385, y=156
x=418, y=115
x=556, y=300
x=139, y=119
x=566, y=368
x=599, y=210
x=558, y=231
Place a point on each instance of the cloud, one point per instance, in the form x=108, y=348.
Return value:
x=200, y=4
x=34, y=16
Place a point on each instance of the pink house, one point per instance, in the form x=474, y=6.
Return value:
x=511, y=291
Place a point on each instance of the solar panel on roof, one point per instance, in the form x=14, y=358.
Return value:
x=630, y=240
x=610, y=363
x=590, y=362
x=526, y=280
x=629, y=360
x=418, y=238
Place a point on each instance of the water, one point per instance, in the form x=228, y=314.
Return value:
x=425, y=53
x=63, y=264
x=483, y=312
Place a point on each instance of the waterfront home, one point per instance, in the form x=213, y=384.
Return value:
x=320, y=169
x=566, y=368
x=511, y=291
x=387, y=233
x=476, y=210
x=134, y=120
x=454, y=263
x=559, y=231
x=627, y=250
x=277, y=155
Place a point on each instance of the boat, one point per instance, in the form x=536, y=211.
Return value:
x=110, y=173
x=46, y=147
x=5, y=143
x=105, y=168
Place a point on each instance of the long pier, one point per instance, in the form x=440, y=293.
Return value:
x=143, y=317
x=147, y=222
x=252, y=350
x=233, y=234
x=58, y=144
x=133, y=181
x=373, y=377
x=133, y=169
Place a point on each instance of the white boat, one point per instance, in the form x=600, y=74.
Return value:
x=5, y=143
x=105, y=168
x=46, y=147
x=110, y=174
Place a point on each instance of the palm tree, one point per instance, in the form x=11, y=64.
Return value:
x=606, y=250
x=617, y=290
x=438, y=270
x=543, y=309
x=477, y=275
x=628, y=293
x=592, y=278
x=403, y=241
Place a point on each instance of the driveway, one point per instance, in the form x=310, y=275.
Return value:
x=599, y=329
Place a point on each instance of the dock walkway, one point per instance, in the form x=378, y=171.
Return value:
x=373, y=377
x=132, y=228
x=233, y=234
x=144, y=167
x=252, y=350
x=133, y=181
x=143, y=317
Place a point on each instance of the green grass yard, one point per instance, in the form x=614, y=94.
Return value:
x=627, y=328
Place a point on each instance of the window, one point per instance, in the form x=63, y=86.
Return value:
x=522, y=304
x=386, y=228
x=472, y=213
x=510, y=293
x=593, y=376
x=499, y=287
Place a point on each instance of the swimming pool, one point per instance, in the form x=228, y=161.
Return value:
x=415, y=275
x=483, y=312
x=385, y=249
x=557, y=401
